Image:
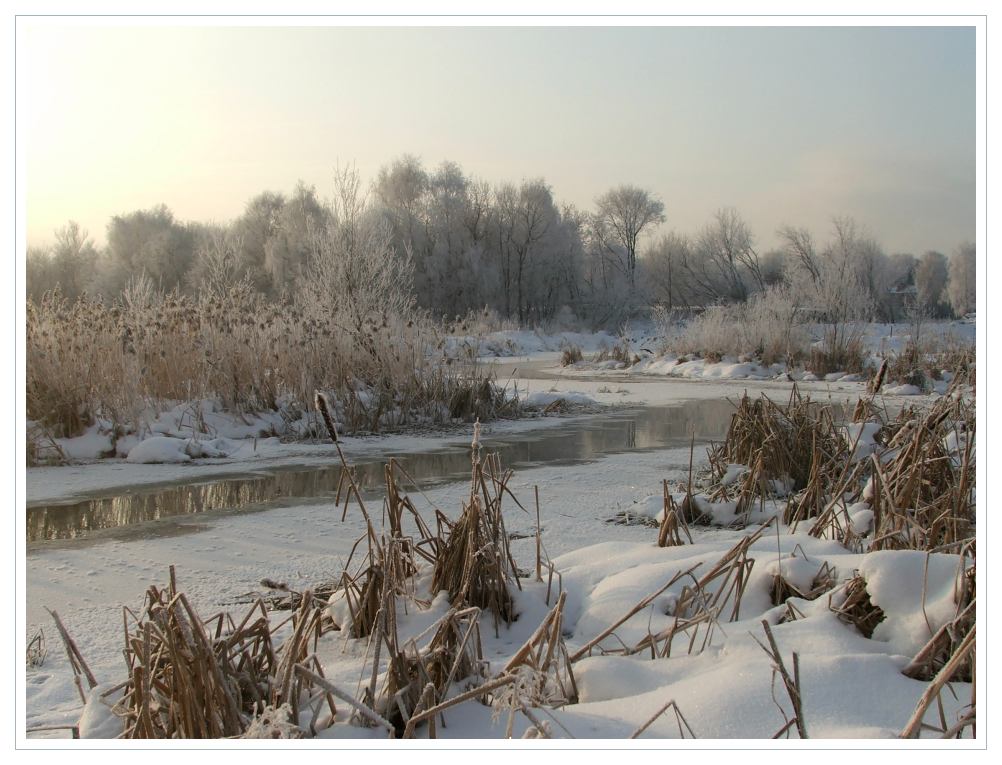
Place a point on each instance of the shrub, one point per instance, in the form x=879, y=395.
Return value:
x=766, y=327
x=841, y=350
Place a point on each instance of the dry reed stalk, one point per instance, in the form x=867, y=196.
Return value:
x=914, y=725
x=77, y=662
x=586, y=649
x=790, y=683
x=332, y=689
x=474, y=562
x=782, y=439
x=190, y=677
x=36, y=651
x=783, y=590
x=674, y=519
x=698, y=606
x=420, y=678
x=544, y=655
x=683, y=725
x=877, y=382
x=488, y=687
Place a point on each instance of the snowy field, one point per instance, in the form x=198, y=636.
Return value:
x=852, y=685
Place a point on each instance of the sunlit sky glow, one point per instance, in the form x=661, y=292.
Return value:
x=788, y=125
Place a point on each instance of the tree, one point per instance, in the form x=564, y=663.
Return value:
x=664, y=271
x=252, y=231
x=216, y=267
x=354, y=273
x=70, y=265
x=931, y=275
x=525, y=222
x=798, y=244
x=963, y=276
x=287, y=249
x=623, y=214
x=724, y=260
x=150, y=242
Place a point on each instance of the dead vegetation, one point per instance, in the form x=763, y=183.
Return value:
x=89, y=360
x=570, y=355
x=195, y=677
x=930, y=359
x=879, y=482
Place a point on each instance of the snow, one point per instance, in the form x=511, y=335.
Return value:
x=545, y=398
x=98, y=720
x=861, y=436
x=167, y=449
x=852, y=686
x=902, y=390
x=92, y=445
x=916, y=593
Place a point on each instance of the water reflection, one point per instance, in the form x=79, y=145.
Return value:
x=579, y=441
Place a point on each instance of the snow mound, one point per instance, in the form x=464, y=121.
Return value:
x=167, y=449
x=545, y=398
x=903, y=390
x=98, y=720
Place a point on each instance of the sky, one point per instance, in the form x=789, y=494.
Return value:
x=788, y=125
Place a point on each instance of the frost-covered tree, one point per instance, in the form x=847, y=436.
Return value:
x=287, y=248
x=724, y=265
x=664, y=272
x=150, y=242
x=253, y=230
x=930, y=284
x=216, y=267
x=526, y=223
x=354, y=272
x=70, y=265
x=962, y=280
x=623, y=214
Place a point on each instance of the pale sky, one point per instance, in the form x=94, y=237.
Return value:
x=788, y=125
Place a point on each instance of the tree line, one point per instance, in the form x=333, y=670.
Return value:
x=460, y=244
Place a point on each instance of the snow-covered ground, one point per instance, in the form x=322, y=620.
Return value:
x=852, y=685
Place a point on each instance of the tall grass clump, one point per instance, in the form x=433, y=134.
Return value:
x=767, y=327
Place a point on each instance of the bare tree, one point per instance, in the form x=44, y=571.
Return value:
x=623, y=214
x=664, y=273
x=723, y=260
x=799, y=246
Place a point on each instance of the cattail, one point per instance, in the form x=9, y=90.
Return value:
x=878, y=381
x=324, y=408
x=476, y=435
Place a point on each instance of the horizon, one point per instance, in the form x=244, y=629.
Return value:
x=789, y=125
